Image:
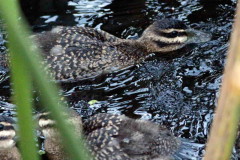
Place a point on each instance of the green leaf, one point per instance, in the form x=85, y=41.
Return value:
x=92, y=102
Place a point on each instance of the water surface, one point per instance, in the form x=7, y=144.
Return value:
x=179, y=91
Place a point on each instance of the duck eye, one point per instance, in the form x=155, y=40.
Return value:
x=1, y=126
x=174, y=33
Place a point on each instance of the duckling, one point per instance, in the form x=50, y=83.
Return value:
x=52, y=142
x=76, y=53
x=110, y=136
x=8, y=150
x=137, y=139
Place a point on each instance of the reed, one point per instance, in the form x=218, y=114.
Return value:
x=26, y=73
x=226, y=120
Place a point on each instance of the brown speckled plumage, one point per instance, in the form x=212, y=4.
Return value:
x=8, y=150
x=118, y=137
x=136, y=139
x=75, y=53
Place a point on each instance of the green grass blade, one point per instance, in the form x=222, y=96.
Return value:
x=49, y=94
x=22, y=86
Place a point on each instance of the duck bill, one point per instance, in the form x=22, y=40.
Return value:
x=196, y=36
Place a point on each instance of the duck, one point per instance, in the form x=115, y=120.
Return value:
x=77, y=53
x=52, y=142
x=109, y=136
x=8, y=149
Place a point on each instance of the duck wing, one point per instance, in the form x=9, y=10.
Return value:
x=73, y=53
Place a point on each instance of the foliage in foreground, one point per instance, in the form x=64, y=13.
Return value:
x=26, y=74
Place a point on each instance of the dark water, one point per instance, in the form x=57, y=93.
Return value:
x=179, y=91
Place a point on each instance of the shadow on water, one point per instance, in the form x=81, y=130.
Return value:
x=178, y=91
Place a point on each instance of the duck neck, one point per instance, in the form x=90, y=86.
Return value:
x=150, y=44
x=10, y=153
x=134, y=49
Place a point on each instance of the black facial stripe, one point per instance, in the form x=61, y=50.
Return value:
x=6, y=128
x=173, y=34
x=48, y=126
x=163, y=44
x=4, y=138
x=45, y=117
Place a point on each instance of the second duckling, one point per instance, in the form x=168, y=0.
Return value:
x=113, y=137
x=8, y=150
x=52, y=143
